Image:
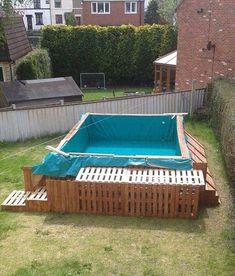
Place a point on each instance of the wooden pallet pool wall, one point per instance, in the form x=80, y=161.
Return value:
x=168, y=201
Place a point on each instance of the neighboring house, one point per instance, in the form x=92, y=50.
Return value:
x=36, y=13
x=62, y=8
x=113, y=12
x=31, y=93
x=206, y=42
x=14, y=45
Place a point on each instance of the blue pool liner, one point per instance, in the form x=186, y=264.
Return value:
x=109, y=129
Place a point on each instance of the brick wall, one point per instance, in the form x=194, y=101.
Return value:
x=196, y=27
x=117, y=15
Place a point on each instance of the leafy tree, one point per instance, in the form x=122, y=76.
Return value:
x=167, y=9
x=70, y=19
x=7, y=9
x=152, y=15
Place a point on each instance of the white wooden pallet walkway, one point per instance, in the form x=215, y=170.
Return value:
x=140, y=176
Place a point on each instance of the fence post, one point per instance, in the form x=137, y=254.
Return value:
x=191, y=98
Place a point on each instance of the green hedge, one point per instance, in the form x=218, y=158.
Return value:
x=35, y=65
x=124, y=53
x=222, y=114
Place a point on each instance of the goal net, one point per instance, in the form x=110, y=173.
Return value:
x=92, y=80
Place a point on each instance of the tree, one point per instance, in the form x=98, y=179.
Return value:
x=167, y=9
x=7, y=9
x=7, y=6
x=152, y=15
x=70, y=19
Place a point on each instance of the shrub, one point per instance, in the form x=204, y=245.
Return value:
x=35, y=65
x=222, y=114
x=124, y=53
x=70, y=18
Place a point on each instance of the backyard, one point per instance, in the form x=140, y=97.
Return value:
x=98, y=94
x=60, y=244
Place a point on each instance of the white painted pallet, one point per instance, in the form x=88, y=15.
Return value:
x=39, y=194
x=140, y=176
x=16, y=198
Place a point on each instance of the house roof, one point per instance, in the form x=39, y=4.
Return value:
x=41, y=89
x=168, y=59
x=16, y=44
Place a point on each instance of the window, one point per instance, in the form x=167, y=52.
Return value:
x=58, y=19
x=57, y=3
x=100, y=7
x=47, y=2
x=39, y=20
x=37, y=4
x=130, y=7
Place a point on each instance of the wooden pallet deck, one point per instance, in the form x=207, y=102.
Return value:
x=122, y=191
x=197, y=150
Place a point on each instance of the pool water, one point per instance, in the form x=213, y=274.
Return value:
x=127, y=135
x=132, y=148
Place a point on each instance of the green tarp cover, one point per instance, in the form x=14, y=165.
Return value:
x=131, y=140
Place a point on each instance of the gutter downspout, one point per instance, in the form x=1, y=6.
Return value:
x=140, y=12
x=50, y=11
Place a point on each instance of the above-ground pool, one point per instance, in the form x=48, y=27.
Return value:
x=118, y=141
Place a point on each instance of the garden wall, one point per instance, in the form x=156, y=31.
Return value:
x=222, y=112
x=124, y=53
x=24, y=123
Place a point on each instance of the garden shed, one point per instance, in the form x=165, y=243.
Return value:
x=28, y=93
x=164, y=73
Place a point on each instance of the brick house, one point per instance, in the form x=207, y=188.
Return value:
x=206, y=42
x=113, y=12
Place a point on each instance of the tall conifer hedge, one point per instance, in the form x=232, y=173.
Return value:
x=124, y=53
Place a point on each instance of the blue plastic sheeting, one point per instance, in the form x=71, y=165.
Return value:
x=144, y=136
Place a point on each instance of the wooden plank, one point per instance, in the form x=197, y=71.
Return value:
x=160, y=193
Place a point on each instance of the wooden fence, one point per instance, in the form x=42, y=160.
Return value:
x=27, y=123
x=168, y=201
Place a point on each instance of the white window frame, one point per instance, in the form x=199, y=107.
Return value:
x=131, y=3
x=96, y=3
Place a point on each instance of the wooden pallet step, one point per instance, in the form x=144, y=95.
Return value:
x=39, y=194
x=17, y=200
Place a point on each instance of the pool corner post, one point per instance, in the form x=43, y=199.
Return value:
x=191, y=98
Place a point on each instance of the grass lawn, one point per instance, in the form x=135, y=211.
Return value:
x=59, y=244
x=97, y=94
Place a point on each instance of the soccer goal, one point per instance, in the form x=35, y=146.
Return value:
x=92, y=81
